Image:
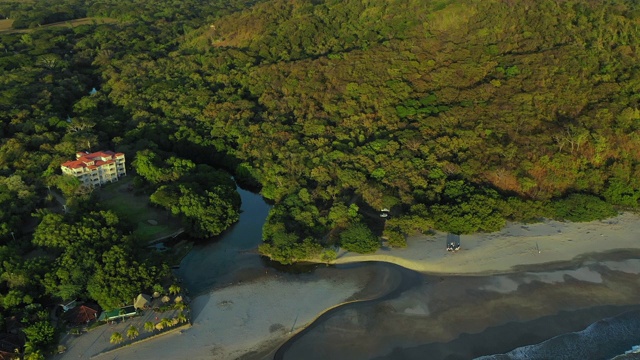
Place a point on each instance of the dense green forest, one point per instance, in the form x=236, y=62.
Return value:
x=456, y=115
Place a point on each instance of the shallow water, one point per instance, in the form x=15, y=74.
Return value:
x=463, y=318
x=216, y=261
x=504, y=338
x=407, y=280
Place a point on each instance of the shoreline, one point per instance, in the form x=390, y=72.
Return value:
x=471, y=316
x=252, y=319
x=512, y=249
x=503, y=337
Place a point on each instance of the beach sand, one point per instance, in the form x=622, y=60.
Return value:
x=251, y=319
x=512, y=248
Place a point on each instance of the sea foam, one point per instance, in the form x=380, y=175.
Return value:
x=605, y=339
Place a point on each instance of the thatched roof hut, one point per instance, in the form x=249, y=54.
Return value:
x=142, y=301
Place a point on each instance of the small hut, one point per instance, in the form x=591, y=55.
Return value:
x=142, y=301
x=82, y=314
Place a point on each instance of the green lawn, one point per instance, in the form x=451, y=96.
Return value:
x=135, y=208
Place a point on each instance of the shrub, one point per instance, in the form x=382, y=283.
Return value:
x=328, y=255
x=395, y=239
x=581, y=208
x=359, y=238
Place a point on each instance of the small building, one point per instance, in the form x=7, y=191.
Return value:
x=82, y=314
x=95, y=169
x=122, y=313
x=143, y=301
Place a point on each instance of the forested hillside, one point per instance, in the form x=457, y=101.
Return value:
x=455, y=115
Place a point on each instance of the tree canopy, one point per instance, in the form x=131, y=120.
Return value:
x=455, y=115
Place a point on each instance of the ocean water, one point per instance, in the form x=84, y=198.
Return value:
x=610, y=338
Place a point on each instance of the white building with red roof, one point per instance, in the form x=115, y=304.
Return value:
x=97, y=168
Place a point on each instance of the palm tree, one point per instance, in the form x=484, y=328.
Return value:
x=116, y=338
x=36, y=355
x=181, y=318
x=28, y=348
x=132, y=332
x=149, y=326
x=174, y=289
x=165, y=322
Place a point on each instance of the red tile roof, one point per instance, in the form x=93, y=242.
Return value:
x=93, y=160
x=82, y=314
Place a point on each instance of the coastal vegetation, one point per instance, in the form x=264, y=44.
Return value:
x=456, y=115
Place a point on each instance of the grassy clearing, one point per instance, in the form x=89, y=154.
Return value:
x=135, y=208
x=5, y=25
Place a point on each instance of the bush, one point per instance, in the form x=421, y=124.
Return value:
x=359, y=238
x=526, y=211
x=622, y=193
x=286, y=249
x=40, y=335
x=581, y=208
x=328, y=255
x=466, y=209
x=395, y=239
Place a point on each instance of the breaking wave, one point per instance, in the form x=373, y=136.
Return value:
x=606, y=339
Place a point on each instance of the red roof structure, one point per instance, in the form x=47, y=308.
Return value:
x=92, y=160
x=95, y=169
x=82, y=315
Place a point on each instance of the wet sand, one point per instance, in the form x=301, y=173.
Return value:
x=461, y=317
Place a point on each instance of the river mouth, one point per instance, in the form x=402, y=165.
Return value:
x=403, y=314
x=406, y=279
x=463, y=317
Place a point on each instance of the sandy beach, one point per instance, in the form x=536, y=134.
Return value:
x=511, y=288
x=512, y=248
x=251, y=319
